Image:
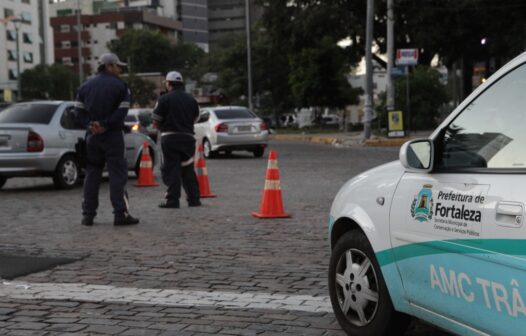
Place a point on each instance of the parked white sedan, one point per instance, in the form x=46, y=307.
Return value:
x=440, y=233
x=231, y=128
x=38, y=139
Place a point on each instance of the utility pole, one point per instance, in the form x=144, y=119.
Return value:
x=17, y=22
x=390, y=54
x=368, y=105
x=249, y=53
x=79, y=45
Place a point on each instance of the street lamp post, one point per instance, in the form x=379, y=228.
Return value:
x=17, y=22
x=79, y=46
x=249, y=53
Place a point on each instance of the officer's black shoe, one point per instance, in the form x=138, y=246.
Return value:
x=126, y=220
x=87, y=220
x=194, y=203
x=169, y=205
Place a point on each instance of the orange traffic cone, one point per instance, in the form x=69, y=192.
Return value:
x=146, y=178
x=202, y=174
x=271, y=203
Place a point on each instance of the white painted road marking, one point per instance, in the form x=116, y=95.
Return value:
x=162, y=297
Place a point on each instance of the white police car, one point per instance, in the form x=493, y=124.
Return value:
x=440, y=234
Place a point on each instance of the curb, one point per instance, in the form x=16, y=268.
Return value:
x=331, y=140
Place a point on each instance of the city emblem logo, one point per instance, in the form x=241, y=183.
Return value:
x=422, y=206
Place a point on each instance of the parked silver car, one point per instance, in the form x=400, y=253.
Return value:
x=230, y=128
x=38, y=139
x=139, y=120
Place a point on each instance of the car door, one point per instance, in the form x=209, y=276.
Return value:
x=458, y=233
x=70, y=130
x=200, y=127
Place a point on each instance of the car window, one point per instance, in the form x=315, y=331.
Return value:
x=132, y=118
x=69, y=119
x=203, y=117
x=235, y=113
x=489, y=132
x=28, y=113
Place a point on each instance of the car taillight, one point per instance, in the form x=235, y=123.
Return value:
x=263, y=126
x=221, y=128
x=35, y=143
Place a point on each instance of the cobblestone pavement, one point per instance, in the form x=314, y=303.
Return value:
x=189, y=271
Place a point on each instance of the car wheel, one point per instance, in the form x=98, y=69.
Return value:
x=3, y=180
x=207, y=150
x=258, y=152
x=66, y=174
x=359, y=296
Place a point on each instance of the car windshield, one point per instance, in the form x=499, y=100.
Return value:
x=235, y=113
x=28, y=114
x=130, y=118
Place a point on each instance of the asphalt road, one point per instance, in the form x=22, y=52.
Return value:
x=189, y=271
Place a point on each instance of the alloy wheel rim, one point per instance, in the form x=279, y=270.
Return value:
x=357, y=287
x=69, y=172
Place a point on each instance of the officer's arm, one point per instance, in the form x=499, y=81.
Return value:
x=80, y=110
x=158, y=115
x=116, y=119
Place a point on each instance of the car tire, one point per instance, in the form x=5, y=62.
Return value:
x=3, y=180
x=356, y=281
x=208, y=153
x=258, y=152
x=67, y=173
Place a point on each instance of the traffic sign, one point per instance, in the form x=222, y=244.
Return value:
x=406, y=57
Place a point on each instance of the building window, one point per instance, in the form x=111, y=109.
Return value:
x=26, y=17
x=64, y=12
x=28, y=57
x=28, y=38
x=11, y=55
x=8, y=12
x=67, y=61
x=65, y=28
x=26, y=1
x=12, y=74
x=10, y=35
x=66, y=44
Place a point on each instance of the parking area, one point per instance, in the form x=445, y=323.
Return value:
x=190, y=271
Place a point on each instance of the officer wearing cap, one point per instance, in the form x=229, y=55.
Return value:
x=174, y=115
x=102, y=103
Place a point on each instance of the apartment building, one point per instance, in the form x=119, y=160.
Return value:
x=30, y=19
x=228, y=16
x=102, y=22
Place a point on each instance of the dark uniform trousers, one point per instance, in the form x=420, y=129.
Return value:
x=107, y=148
x=178, y=148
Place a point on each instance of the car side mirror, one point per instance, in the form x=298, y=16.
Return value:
x=418, y=155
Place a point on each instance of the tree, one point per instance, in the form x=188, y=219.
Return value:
x=49, y=82
x=141, y=90
x=145, y=50
x=427, y=95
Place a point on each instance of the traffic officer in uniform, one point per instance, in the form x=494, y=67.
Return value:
x=102, y=103
x=175, y=115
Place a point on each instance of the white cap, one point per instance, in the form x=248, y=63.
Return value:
x=110, y=58
x=174, y=76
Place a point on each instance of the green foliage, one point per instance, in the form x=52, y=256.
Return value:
x=142, y=90
x=427, y=95
x=145, y=50
x=151, y=51
x=49, y=82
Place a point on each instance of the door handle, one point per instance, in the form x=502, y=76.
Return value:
x=509, y=213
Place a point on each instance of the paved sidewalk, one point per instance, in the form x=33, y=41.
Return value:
x=347, y=139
